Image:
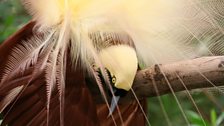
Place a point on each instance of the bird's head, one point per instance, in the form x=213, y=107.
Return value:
x=121, y=63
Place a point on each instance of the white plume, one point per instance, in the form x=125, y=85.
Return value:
x=169, y=30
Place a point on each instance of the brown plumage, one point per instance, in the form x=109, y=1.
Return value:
x=29, y=106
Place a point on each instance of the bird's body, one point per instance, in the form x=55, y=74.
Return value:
x=80, y=108
x=46, y=63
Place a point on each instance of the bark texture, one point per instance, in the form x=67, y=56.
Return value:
x=202, y=72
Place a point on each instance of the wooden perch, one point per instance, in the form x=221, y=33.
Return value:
x=197, y=73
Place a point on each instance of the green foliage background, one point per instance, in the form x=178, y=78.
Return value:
x=211, y=106
x=12, y=17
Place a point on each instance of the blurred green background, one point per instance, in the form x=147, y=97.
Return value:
x=211, y=105
x=12, y=17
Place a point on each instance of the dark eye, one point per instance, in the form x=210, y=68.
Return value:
x=94, y=66
x=113, y=80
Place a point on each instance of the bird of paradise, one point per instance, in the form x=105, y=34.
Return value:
x=46, y=63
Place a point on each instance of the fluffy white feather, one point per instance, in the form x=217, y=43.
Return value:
x=170, y=30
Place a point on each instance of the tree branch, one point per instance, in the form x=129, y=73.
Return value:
x=197, y=73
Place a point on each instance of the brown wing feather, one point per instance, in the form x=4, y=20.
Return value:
x=29, y=107
x=6, y=47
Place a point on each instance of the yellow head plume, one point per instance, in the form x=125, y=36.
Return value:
x=122, y=63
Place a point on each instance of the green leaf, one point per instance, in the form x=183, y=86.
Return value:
x=196, y=119
x=213, y=116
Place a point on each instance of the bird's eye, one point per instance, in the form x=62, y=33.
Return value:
x=94, y=66
x=113, y=79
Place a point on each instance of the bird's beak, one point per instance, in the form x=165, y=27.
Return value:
x=113, y=104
